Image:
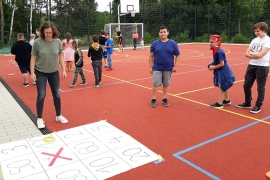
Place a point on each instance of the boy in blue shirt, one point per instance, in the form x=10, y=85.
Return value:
x=162, y=63
x=109, y=49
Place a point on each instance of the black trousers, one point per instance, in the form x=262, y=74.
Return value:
x=260, y=74
x=134, y=43
x=97, y=67
x=54, y=83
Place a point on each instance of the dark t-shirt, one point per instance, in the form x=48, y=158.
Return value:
x=164, y=53
x=102, y=40
x=78, y=58
x=22, y=51
x=95, y=54
x=118, y=34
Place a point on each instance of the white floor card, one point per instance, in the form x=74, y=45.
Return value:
x=94, y=151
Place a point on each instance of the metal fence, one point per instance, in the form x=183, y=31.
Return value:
x=186, y=23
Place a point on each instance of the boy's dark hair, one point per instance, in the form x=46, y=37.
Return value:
x=107, y=34
x=102, y=32
x=163, y=27
x=38, y=29
x=261, y=25
x=46, y=25
x=95, y=39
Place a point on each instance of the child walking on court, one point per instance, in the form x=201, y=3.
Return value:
x=259, y=54
x=96, y=53
x=120, y=39
x=163, y=60
x=102, y=40
x=109, y=49
x=68, y=52
x=223, y=76
x=32, y=39
x=135, y=38
x=78, y=57
x=22, y=51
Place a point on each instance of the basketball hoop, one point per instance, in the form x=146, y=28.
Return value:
x=132, y=13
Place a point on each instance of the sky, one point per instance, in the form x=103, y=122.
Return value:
x=103, y=5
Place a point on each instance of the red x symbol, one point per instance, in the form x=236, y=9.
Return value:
x=55, y=156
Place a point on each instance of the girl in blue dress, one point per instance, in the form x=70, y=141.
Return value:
x=223, y=76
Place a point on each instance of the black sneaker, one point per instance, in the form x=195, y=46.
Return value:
x=255, y=110
x=25, y=84
x=153, y=103
x=165, y=102
x=72, y=85
x=226, y=102
x=244, y=105
x=216, y=105
x=83, y=83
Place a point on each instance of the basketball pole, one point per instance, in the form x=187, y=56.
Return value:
x=118, y=10
x=118, y=15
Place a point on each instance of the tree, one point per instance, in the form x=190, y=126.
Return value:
x=12, y=17
x=247, y=9
x=2, y=22
x=31, y=13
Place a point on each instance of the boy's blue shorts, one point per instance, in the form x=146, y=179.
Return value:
x=24, y=69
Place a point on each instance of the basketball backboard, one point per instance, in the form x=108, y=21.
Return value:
x=129, y=5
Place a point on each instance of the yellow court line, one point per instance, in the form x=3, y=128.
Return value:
x=225, y=110
x=227, y=50
x=197, y=102
x=187, y=92
x=121, y=80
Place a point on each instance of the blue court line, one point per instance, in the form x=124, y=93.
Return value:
x=177, y=155
x=198, y=168
x=158, y=161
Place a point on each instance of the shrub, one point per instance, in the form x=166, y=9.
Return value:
x=184, y=36
x=203, y=38
x=224, y=37
x=84, y=40
x=147, y=38
x=239, y=38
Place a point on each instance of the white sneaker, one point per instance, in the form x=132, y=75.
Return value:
x=61, y=119
x=40, y=123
